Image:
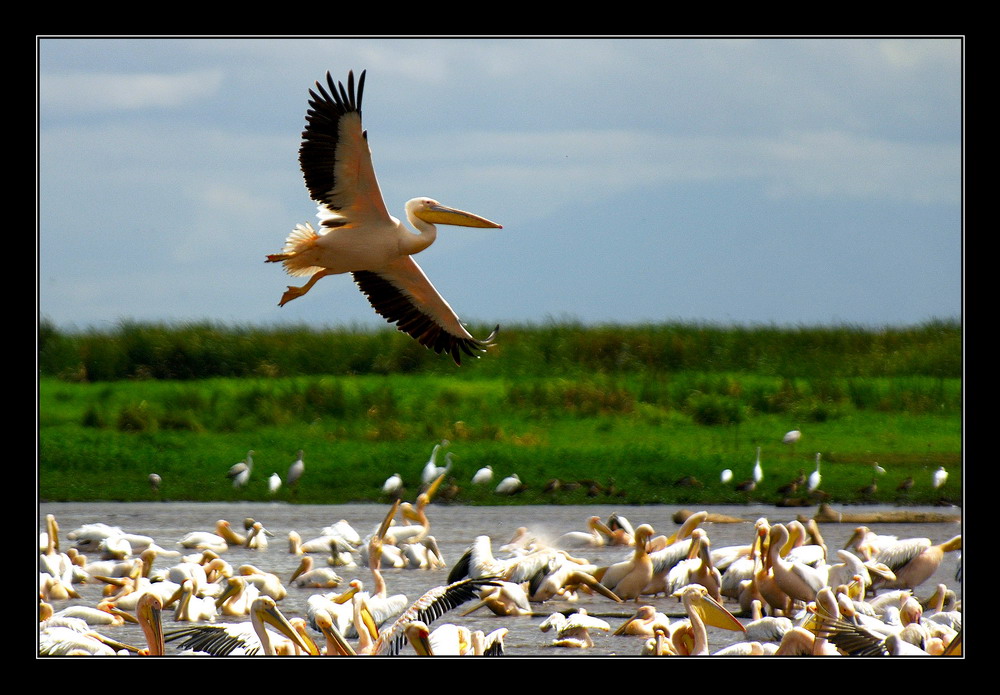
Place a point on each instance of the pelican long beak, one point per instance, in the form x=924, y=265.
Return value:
x=442, y=214
x=346, y=596
x=233, y=587
x=714, y=614
x=419, y=637
x=388, y=520
x=595, y=584
x=152, y=624
x=273, y=616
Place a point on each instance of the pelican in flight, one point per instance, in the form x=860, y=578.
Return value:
x=357, y=234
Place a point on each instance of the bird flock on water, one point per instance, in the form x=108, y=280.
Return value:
x=793, y=595
x=654, y=590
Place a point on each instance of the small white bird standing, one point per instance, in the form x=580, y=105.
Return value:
x=296, y=470
x=274, y=483
x=393, y=484
x=509, y=485
x=483, y=476
x=815, y=477
x=940, y=477
x=758, y=471
x=727, y=476
x=154, y=482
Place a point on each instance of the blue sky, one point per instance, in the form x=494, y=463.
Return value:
x=745, y=181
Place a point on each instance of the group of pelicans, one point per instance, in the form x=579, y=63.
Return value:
x=795, y=595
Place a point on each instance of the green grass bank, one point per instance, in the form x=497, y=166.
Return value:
x=627, y=414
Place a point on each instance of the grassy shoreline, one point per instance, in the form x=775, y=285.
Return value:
x=636, y=410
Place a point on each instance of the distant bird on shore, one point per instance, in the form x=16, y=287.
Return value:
x=483, y=476
x=392, y=485
x=240, y=472
x=726, y=476
x=905, y=484
x=940, y=477
x=815, y=478
x=758, y=470
x=296, y=470
x=154, y=482
x=511, y=485
x=274, y=483
x=791, y=437
x=431, y=469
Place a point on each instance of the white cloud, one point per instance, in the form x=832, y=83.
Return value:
x=96, y=92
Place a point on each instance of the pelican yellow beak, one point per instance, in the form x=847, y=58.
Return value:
x=150, y=619
x=442, y=214
x=714, y=614
x=271, y=615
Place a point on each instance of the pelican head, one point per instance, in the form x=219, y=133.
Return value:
x=433, y=212
x=148, y=612
x=266, y=610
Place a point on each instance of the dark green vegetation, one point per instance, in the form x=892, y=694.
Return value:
x=636, y=409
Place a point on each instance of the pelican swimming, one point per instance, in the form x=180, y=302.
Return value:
x=244, y=638
x=358, y=235
x=914, y=560
x=702, y=610
x=628, y=579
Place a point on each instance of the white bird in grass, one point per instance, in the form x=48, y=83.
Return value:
x=792, y=437
x=240, y=472
x=431, y=469
x=758, y=471
x=815, y=478
x=727, y=476
x=484, y=476
x=358, y=235
x=274, y=483
x=295, y=471
x=510, y=485
x=392, y=485
x=940, y=477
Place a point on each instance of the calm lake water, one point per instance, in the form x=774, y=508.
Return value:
x=455, y=527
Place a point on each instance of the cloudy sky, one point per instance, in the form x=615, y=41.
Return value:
x=746, y=181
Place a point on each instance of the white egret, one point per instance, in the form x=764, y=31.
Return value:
x=484, y=476
x=295, y=471
x=274, y=483
x=815, y=478
x=940, y=477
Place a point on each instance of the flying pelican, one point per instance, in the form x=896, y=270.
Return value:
x=940, y=477
x=358, y=235
x=815, y=477
x=295, y=470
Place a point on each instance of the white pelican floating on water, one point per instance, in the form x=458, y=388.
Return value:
x=358, y=235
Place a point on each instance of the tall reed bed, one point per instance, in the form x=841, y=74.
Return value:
x=201, y=351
